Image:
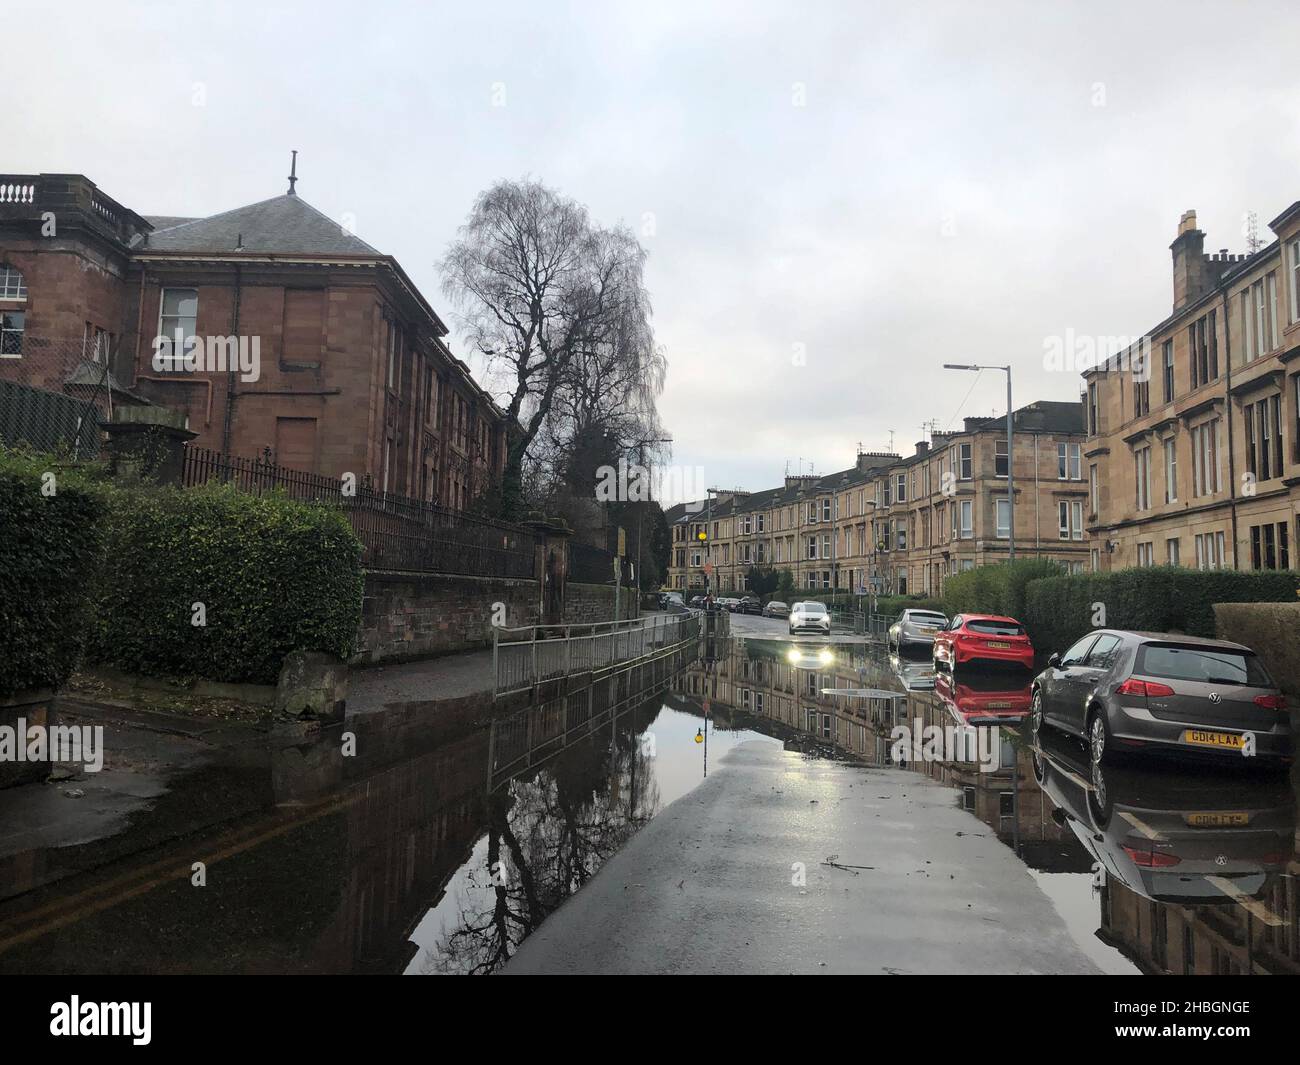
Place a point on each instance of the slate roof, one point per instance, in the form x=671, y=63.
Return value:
x=1044, y=416
x=284, y=225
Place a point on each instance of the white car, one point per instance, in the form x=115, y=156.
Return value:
x=914, y=628
x=805, y=617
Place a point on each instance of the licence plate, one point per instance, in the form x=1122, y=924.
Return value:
x=924, y=629
x=1231, y=740
x=1216, y=819
x=1000, y=645
x=998, y=706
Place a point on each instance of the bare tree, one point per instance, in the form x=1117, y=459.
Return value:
x=538, y=288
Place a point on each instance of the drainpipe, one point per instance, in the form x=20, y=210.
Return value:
x=230, y=369
x=1227, y=403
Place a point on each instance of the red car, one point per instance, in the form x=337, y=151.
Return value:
x=982, y=638
x=984, y=700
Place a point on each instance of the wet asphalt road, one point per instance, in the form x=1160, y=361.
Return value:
x=706, y=887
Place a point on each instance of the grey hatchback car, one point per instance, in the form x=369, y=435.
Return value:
x=1122, y=690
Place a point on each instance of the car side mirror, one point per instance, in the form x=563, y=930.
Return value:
x=1054, y=659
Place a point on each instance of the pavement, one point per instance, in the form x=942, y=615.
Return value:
x=706, y=887
x=448, y=677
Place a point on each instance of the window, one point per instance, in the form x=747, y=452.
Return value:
x=1202, y=342
x=1093, y=411
x=1205, y=458
x=1094, y=488
x=178, y=316
x=963, y=451
x=826, y=510
x=1263, y=427
x=762, y=523
x=11, y=334
x=1078, y=652
x=1210, y=553
x=1103, y=652
x=1070, y=519
x=1003, y=518
x=999, y=458
x=1142, y=476
x=1269, y=548
x=1168, y=369
x=967, y=525
x=1171, y=471
x=12, y=285
x=1146, y=554
x=1067, y=462
x=1295, y=280
x=1171, y=551
x=1141, y=395
x=812, y=547
x=900, y=488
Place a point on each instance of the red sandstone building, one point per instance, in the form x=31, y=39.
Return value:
x=353, y=375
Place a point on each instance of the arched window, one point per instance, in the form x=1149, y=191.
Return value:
x=12, y=286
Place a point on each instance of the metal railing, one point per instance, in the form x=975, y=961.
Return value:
x=396, y=532
x=526, y=656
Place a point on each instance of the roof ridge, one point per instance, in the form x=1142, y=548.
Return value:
x=221, y=214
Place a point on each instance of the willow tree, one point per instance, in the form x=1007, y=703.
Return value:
x=543, y=294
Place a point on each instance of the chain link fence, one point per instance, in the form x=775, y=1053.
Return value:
x=55, y=394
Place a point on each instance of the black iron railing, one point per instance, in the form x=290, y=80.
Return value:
x=396, y=532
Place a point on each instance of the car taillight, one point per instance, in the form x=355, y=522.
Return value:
x=1271, y=702
x=1147, y=688
x=1149, y=858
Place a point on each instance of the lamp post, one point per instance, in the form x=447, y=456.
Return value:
x=1011, y=477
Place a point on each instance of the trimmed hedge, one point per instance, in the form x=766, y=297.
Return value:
x=1001, y=588
x=1059, y=610
x=891, y=606
x=274, y=575
x=50, y=547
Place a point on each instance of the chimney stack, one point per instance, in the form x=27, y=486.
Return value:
x=1192, y=277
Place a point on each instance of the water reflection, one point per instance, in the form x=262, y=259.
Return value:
x=1169, y=867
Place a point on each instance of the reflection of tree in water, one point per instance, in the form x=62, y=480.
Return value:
x=551, y=832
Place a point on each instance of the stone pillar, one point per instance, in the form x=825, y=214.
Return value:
x=147, y=442
x=552, y=566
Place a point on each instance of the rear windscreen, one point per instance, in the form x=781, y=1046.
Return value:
x=928, y=619
x=996, y=628
x=1204, y=664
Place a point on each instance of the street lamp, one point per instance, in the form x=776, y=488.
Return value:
x=1011, y=479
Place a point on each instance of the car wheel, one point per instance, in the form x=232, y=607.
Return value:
x=1098, y=737
x=1036, y=713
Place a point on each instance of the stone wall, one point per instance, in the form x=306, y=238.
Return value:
x=408, y=616
x=585, y=603
x=1270, y=630
x=405, y=616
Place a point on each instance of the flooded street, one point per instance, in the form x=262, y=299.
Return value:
x=433, y=851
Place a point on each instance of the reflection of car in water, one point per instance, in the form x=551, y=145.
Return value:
x=979, y=699
x=1167, y=834
x=916, y=675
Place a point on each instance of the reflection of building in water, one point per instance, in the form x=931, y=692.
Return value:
x=1254, y=936
x=782, y=683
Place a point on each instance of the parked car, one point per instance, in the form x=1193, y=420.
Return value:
x=914, y=628
x=697, y=602
x=749, y=604
x=982, y=638
x=727, y=602
x=671, y=601
x=776, y=609
x=809, y=616
x=1122, y=690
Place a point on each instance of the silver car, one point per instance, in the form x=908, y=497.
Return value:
x=809, y=617
x=1132, y=691
x=914, y=628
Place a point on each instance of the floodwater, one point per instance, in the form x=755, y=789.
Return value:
x=434, y=852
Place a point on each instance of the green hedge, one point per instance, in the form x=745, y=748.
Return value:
x=274, y=575
x=1001, y=588
x=891, y=606
x=1156, y=598
x=50, y=546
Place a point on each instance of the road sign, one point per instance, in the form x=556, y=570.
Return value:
x=708, y=569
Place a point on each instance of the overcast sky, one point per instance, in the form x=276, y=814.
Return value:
x=877, y=188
